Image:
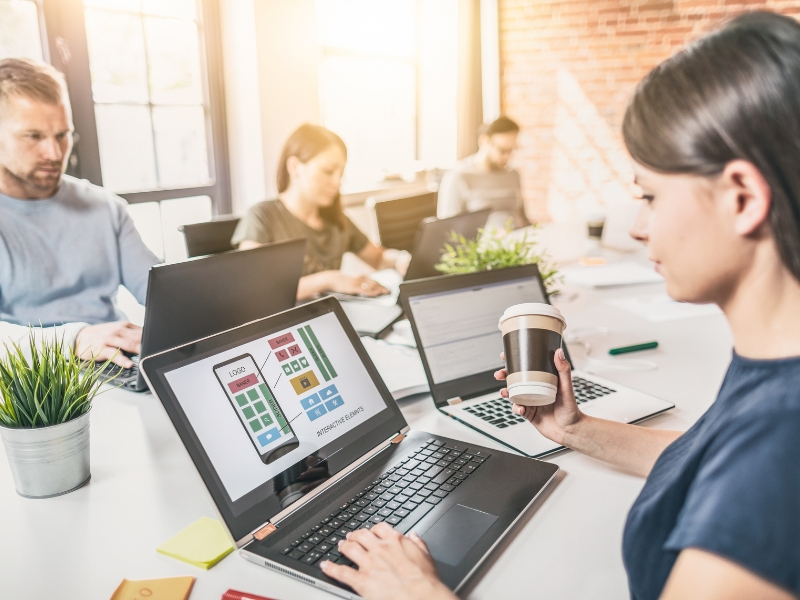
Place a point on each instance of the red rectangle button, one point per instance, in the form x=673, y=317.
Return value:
x=281, y=340
x=294, y=350
x=243, y=383
x=282, y=355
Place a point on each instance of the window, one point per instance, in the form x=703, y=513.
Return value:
x=146, y=88
x=148, y=94
x=368, y=76
x=19, y=30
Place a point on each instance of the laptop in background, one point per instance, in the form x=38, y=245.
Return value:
x=455, y=323
x=374, y=316
x=202, y=296
x=299, y=442
x=433, y=234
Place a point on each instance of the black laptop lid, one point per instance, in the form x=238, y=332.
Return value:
x=455, y=323
x=270, y=410
x=432, y=236
x=203, y=296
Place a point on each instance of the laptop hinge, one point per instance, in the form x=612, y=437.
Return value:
x=398, y=438
x=264, y=531
x=456, y=400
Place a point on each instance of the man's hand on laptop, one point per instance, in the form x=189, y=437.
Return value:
x=554, y=421
x=108, y=340
x=391, y=566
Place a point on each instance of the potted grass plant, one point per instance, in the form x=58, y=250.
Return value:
x=46, y=394
x=493, y=249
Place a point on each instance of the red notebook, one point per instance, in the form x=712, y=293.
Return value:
x=237, y=595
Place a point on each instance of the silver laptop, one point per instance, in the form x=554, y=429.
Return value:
x=454, y=320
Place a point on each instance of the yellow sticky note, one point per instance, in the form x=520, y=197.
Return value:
x=170, y=588
x=203, y=544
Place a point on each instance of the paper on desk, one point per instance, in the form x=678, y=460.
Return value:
x=658, y=308
x=203, y=544
x=400, y=367
x=169, y=588
x=621, y=273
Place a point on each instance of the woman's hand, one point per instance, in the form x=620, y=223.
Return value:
x=355, y=285
x=310, y=286
x=391, y=566
x=554, y=421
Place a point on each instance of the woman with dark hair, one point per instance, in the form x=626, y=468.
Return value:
x=714, y=133
x=308, y=206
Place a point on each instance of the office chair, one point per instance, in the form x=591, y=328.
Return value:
x=211, y=237
x=398, y=217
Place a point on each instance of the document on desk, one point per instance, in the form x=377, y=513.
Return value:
x=400, y=367
x=659, y=308
x=612, y=275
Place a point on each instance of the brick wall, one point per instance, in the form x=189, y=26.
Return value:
x=567, y=69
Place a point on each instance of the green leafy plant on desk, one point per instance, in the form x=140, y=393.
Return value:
x=46, y=393
x=494, y=249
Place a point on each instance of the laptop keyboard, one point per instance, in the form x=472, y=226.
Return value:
x=401, y=496
x=121, y=374
x=497, y=411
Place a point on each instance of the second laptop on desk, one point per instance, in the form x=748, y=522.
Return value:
x=455, y=323
x=203, y=296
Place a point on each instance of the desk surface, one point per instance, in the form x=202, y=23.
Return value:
x=144, y=489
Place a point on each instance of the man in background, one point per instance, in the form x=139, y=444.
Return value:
x=65, y=245
x=485, y=180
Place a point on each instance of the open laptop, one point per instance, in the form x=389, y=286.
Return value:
x=455, y=324
x=206, y=295
x=373, y=316
x=299, y=442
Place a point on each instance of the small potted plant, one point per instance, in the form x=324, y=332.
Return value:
x=46, y=393
x=495, y=249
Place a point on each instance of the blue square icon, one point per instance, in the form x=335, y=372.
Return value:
x=334, y=403
x=316, y=412
x=310, y=401
x=328, y=392
x=268, y=437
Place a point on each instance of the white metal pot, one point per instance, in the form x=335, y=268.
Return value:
x=49, y=461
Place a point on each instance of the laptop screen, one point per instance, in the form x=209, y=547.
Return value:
x=458, y=327
x=272, y=409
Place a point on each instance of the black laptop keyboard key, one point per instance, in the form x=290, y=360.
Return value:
x=586, y=391
x=400, y=501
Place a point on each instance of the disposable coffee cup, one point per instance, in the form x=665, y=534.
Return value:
x=531, y=335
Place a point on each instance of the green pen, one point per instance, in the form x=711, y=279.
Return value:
x=634, y=348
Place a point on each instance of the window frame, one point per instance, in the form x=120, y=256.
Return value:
x=66, y=48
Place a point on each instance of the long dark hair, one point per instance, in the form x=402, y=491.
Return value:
x=732, y=94
x=305, y=143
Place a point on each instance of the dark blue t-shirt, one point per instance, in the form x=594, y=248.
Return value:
x=730, y=485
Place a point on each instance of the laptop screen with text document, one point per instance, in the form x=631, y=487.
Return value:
x=458, y=328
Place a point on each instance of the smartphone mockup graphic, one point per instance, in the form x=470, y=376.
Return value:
x=255, y=405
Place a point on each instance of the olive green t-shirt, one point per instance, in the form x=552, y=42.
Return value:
x=270, y=221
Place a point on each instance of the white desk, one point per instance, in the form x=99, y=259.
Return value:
x=144, y=489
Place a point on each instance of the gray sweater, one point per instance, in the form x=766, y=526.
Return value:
x=63, y=258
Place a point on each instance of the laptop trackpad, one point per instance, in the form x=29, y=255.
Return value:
x=456, y=532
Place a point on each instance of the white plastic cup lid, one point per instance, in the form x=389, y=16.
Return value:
x=532, y=308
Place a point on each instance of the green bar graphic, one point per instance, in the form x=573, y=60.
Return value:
x=276, y=410
x=314, y=355
x=320, y=350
